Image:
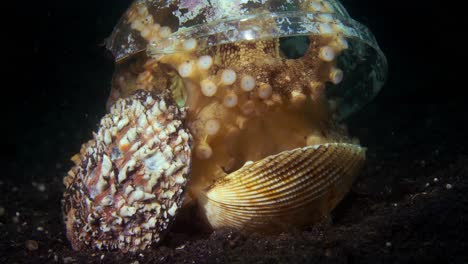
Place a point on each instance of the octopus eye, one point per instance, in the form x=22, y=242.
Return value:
x=294, y=47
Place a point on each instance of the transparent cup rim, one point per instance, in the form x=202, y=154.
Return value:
x=286, y=24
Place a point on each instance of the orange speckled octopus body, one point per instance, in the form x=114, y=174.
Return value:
x=264, y=145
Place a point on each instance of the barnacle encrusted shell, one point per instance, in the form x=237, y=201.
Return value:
x=129, y=181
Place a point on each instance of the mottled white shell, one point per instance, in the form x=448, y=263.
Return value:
x=129, y=183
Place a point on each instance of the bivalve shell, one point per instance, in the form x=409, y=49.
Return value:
x=291, y=188
x=129, y=180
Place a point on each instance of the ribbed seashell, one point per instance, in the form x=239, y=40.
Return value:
x=291, y=188
x=129, y=180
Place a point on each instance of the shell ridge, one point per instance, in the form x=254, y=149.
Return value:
x=282, y=180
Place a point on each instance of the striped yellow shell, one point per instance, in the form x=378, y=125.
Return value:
x=294, y=187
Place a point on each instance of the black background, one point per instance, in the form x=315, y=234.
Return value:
x=57, y=79
x=59, y=73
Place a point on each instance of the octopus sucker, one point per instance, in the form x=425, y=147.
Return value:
x=241, y=115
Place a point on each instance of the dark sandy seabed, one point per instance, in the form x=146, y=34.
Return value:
x=409, y=205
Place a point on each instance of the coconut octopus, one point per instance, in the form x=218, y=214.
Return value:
x=237, y=106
